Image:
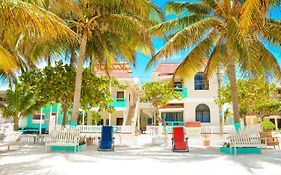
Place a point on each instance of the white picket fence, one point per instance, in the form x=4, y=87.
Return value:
x=97, y=129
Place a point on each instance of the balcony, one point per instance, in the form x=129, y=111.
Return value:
x=183, y=91
x=119, y=102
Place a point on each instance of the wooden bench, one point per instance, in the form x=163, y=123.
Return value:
x=245, y=139
x=63, y=137
x=269, y=140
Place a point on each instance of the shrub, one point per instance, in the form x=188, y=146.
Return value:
x=267, y=126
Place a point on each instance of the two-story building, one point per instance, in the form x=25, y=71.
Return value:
x=125, y=99
x=198, y=102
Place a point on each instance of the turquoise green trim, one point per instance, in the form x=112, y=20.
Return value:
x=72, y=123
x=46, y=110
x=241, y=150
x=119, y=102
x=237, y=126
x=175, y=123
x=183, y=91
x=68, y=148
x=169, y=129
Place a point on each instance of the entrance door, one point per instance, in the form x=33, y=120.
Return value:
x=119, y=121
x=52, y=121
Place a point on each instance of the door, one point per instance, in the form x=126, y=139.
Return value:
x=52, y=121
x=119, y=121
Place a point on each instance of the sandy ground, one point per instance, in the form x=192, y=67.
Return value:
x=32, y=159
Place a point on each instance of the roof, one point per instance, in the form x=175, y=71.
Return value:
x=166, y=68
x=169, y=68
x=117, y=70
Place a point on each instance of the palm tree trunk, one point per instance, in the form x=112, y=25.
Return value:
x=16, y=122
x=220, y=106
x=64, y=109
x=73, y=56
x=78, y=80
x=233, y=88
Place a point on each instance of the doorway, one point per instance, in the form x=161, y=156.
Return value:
x=119, y=121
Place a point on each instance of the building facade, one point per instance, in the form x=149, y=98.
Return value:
x=198, y=102
x=124, y=99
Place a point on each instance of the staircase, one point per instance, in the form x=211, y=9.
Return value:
x=131, y=115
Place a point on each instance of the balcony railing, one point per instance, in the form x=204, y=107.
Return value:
x=119, y=102
x=183, y=91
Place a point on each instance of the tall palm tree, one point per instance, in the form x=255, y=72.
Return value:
x=212, y=29
x=23, y=27
x=20, y=103
x=109, y=30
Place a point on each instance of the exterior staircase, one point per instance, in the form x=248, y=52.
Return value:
x=131, y=115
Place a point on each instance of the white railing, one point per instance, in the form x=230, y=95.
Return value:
x=153, y=130
x=97, y=129
x=210, y=129
x=89, y=128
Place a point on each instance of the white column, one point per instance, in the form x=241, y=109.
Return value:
x=109, y=118
x=41, y=116
x=124, y=118
x=83, y=118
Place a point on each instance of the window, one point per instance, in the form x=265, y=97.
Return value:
x=120, y=94
x=203, y=113
x=173, y=118
x=37, y=116
x=199, y=82
x=177, y=84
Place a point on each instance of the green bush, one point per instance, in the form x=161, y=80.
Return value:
x=267, y=126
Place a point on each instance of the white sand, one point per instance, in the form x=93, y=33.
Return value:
x=125, y=160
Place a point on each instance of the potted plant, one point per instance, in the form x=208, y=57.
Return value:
x=206, y=141
x=267, y=126
x=89, y=141
x=82, y=141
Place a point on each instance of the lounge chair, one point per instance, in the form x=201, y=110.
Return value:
x=106, y=142
x=11, y=139
x=179, y=143
x=269, y=140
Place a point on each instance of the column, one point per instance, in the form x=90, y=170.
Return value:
x=83, y=117
x=109, y=118
x=124, y=118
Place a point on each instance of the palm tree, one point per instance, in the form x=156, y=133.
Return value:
x=23, y=28
x=109, y=30
x=20, y=103
x=212, y=29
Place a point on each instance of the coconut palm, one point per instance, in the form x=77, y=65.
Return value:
x=109, y=30
x=20, y=103
x=211, y=28
x=23, y=27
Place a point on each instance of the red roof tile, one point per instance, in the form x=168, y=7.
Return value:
x=117, y=70
x=166, y=68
